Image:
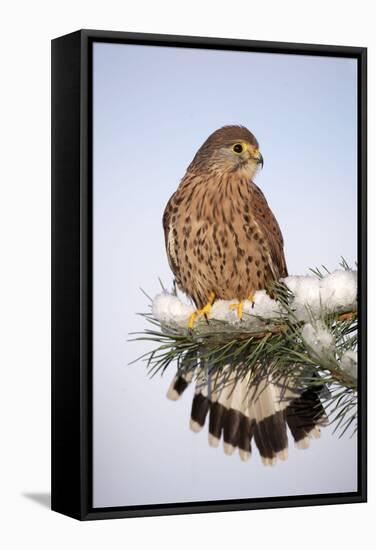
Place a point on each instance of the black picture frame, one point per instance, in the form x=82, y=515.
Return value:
x=72, y=273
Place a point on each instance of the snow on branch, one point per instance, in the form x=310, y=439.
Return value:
x=313, y=297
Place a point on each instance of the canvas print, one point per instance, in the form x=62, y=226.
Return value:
x=225, y=290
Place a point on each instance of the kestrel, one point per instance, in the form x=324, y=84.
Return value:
x=224, y=242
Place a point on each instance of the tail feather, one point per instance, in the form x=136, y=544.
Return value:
x=216, y=417
x=232, y=418
x=178, y=385
x=240, y=411
x=271, y=437
x=200, y=407
x=200, y=404
x=247, y=428
x=305, y=416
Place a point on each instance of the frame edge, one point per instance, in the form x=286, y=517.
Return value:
x=65, y=271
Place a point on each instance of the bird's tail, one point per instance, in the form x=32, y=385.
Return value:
x=243, y=410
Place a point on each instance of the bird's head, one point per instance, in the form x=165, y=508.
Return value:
x=227, y=150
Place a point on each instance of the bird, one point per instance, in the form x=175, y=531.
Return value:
x=223, y=242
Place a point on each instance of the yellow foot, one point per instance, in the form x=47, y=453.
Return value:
x=203, y=311
x=239, y=306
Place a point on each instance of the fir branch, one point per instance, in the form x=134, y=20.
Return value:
x=275, y=348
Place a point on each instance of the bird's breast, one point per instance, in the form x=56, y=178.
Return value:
x=218, y=200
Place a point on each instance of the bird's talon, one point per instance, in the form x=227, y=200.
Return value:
x=251, y=298
x=192, y=319
x=239, y=306
x=201, y=312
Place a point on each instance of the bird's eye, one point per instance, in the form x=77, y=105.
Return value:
x=237, y=148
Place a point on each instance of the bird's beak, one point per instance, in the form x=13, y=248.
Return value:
x=260, y=160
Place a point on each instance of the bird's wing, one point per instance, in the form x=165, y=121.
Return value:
x=170, y=241
x=267, y=222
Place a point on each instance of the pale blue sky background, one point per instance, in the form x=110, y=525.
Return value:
x=153, y=108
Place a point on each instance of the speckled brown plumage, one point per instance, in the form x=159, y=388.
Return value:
x=221, y=235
